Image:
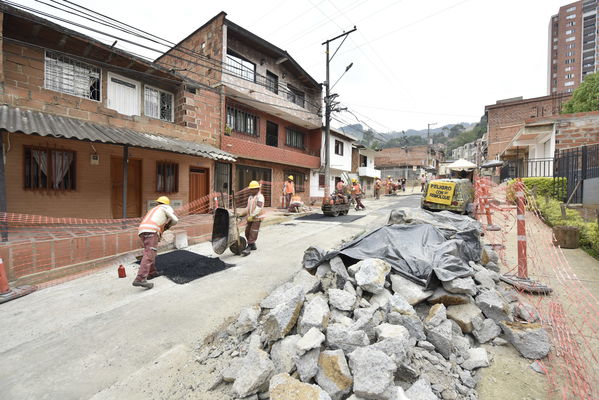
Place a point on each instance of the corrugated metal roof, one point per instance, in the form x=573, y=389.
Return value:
x=13, y=119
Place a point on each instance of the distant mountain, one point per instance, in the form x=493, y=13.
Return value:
x=357, y=131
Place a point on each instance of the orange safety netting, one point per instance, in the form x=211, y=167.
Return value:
x=570, y=313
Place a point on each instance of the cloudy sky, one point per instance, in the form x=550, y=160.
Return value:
x=414, y=61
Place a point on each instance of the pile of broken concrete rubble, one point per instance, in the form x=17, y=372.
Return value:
x=366, y=332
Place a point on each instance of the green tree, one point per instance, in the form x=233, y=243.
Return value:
x=586, y=97
x=455, y=130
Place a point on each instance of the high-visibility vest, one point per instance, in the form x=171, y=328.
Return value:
x=289, y=187
x=149, y=222
x=357, y=189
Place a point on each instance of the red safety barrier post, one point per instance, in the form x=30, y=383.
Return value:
x=487, y=196
x=521, y=224
x=4, y=288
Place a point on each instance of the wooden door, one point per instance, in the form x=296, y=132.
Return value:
x=134, y=205
x=199, y=181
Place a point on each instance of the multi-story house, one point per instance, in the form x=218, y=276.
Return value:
x=75, y=112
x=270, y=109
x=409, y=162
x=363, y=168
x=340, y=151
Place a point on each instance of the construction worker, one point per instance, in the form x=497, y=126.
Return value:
x=377, y=188
x=422, y=182
x=154, y=223
x=288, y=191
x=254, y=212
x=356, y=192
x=340, y=191
x=390, y=185
x=403, y=184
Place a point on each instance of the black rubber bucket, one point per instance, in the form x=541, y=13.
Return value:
x=224, y=233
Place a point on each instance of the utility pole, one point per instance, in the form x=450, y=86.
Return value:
x=428, y=143
x=328, y=100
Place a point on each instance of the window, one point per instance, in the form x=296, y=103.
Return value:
x=570, y=53
x=571, y=16
x=272, y=82
x=571, y=46
x=568, y=69
x=570, y=39
x=47, y=169
x=569, y=83
x=241, y=67
x=571, y=23
x=568, y=90
x=158, y=104
x=339, y=147
x=222, y=177
x=167, y=177
x=242, y=121
x=363, y=161
x=296, y=96
x=570, y=31
x=67, y=75
x=123, y=94
x=321, y=180
x=571, y=9
x=570, y=61
x=299, y=180
x=294, y=138
x=569, y=76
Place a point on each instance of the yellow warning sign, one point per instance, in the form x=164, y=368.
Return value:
x=440, y=192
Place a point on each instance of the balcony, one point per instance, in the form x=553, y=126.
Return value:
x=369, y=172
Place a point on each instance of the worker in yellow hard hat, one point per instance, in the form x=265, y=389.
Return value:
x=254, y=212
x=159, y=219
x=356, y=192
x=288, y=191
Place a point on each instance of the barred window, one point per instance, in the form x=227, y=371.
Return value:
x=158, y=104
x=272, y=82
x=299, y=179
x=67, y=75
x=239, y=66
x=294, y=138
x=296, y=96
x=167, y=177
x=242, y=121
x=47, y=169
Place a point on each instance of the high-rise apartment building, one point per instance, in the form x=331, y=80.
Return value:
x=572, y=46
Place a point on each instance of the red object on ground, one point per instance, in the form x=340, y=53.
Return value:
x=4, y=288
x=520, y=215
x=122, y=272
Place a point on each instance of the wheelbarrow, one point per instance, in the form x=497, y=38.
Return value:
x=225, y=233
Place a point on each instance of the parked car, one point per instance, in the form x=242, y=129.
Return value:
x=455, y=195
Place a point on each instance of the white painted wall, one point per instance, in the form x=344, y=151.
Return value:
x=342, y=163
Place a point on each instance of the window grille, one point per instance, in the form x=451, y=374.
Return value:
x=67, y=75
x=296, y=96
x=158, y=104
x=240, y=67
x=167, y=177
x=242, y=121
x=294, y=138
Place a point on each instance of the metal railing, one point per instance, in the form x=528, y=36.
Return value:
x=527, y=168
x=574, y=166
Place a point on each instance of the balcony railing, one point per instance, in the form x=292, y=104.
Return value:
x=369, y=172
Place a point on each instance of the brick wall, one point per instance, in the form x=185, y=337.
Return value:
x=506, y=119
x=575, y=130
x=396, y=156
x=197, y=115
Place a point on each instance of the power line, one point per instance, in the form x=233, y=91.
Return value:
x=412, y=112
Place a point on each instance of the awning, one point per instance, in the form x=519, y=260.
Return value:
x=13, y=119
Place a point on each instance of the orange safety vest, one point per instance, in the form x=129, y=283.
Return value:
x=148, y=223
x=289, y=187
x=357, y=189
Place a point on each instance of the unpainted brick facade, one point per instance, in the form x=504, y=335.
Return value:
x=573, y=130
x=397, y=157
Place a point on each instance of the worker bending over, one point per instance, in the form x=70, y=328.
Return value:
x=356, y=192
x=154, y=223
x=377, y=188
x=288, y=191
x=254, y=211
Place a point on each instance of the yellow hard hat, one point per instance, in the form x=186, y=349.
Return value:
x=163, y=200
x=354, y=180
x=389, y=176
x=254, y=185
x=290, y=177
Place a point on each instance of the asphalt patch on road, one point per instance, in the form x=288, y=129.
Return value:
x=324, y=218
x=183, y=266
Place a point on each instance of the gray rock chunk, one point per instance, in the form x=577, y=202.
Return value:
x=339, y=268
x=486, y=331
x=349, y=288
x=381, y=299
x=499, y=342
x=467, y=379
x=311, y=340
x=257, y=369
x=436, y=315
x=341, y=300
x=283, y=354
x=461, y=286
x=371, y=274
x=485, y=279
x=282, y=318
x=308, y=282
x=526, y=312
x=441, y=337
x=323, y=269
x=284, y=387
x=441, y=295
x=421, y=390
x=247, y=320
x=307, y=364
x=412, y=292
x=340, y=337
x=316, y=314
x=396, y=348
x=399, y=305
x=531, y=340
x=389, y=331
x=340, y=317
x=493, y=306
x=492, y=267
x=367, y=320
x=373, y=373
x=463, y=315
x=333, y=374
x=478, y=358
x=411, y=322
x=281, y=295
x=489, y=255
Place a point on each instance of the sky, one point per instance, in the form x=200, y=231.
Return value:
x=415, y=62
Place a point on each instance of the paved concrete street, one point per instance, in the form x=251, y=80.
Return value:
x=83, y=337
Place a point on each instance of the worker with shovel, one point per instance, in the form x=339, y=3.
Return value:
x=156, y=221
x=254, y=212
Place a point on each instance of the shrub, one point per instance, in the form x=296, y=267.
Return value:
x=543, y=187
